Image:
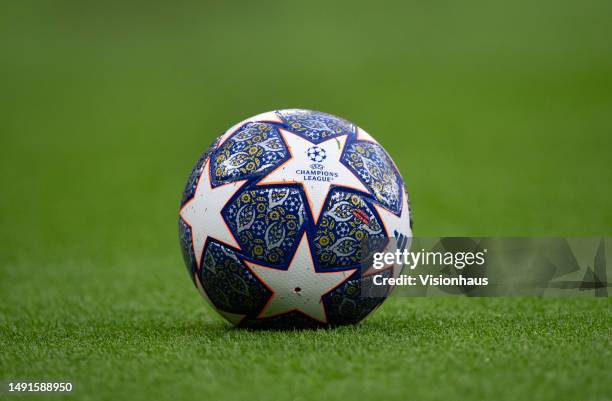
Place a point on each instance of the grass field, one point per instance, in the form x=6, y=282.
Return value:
x=497, y=114
x=169, y=347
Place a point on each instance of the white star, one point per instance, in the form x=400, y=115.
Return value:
x=300, y=287
x=268, y=117
x=202, y=213
x=398, y=230
x=316, y=182
x=362, y=135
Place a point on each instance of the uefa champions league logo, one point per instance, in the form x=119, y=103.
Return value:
x=316, y=154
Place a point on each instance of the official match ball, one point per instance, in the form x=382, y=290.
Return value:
x=274, y=215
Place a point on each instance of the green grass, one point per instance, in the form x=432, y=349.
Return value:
x=136, y=334
x=170, y=347
x=497, y=114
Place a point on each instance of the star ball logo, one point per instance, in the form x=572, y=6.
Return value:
x=317, y=171
x=316, y=154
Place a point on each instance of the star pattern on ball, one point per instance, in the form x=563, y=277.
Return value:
x=202, y=213
x=268, y=117
x=299, y=288
x=233, y=318
x=398, y=230
x=295, y=170
x=362, y=135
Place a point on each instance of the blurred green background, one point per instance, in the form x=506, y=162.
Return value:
x=498, y=115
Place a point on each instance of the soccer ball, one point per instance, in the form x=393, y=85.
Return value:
x=274, y=215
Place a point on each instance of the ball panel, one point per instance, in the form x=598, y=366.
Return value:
x=314, y=125
x=346, y=305
x=370, y=162
x=252, y=150
x=267, y=223
x=187, y=249
x=229, y=285
x=345, y=223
